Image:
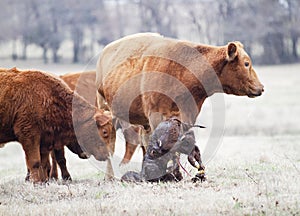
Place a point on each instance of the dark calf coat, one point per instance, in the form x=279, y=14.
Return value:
x=161, y=161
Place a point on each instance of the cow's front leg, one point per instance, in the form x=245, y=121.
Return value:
x=31, y=147
x=61, y=160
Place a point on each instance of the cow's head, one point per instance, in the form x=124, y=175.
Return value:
x=105, y=129
x=93, y=133
x=238, y=76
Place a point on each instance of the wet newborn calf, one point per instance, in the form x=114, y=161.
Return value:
x=161, y=162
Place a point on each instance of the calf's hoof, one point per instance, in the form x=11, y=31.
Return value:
x=200, y=176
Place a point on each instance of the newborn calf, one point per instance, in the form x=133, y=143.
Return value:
x=161, y=162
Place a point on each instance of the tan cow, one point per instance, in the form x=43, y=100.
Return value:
x=146, y=77
x=39, y=111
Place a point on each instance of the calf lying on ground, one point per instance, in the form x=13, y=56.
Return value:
x=42, y=113
x=161, y=162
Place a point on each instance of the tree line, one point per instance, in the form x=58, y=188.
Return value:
x=269, y=29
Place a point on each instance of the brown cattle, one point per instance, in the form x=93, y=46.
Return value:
x=84, y=84
x=39, y=111
x=146, y=78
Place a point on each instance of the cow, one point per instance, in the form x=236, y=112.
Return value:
x=41, y=112
x=146, y=78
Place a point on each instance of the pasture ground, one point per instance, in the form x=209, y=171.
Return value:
x=256, y=170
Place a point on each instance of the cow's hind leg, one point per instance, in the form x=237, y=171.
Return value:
x=53, y=172
x=130, y=149
x=31, y=147
x=61, y=160
x=46, y=164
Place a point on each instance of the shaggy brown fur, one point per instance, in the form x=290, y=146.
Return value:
x=42, y=113
x=146, y=78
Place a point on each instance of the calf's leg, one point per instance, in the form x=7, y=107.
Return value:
x=53, y=172
x=45, y=164
x=31, y=147
x=61, y=160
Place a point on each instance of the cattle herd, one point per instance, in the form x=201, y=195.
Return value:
x=149, y=86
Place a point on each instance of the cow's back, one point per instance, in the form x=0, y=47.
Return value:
x=83, y=83
x=120, y=74
x=35, y=97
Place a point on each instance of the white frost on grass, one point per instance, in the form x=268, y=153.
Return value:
x=255, y=171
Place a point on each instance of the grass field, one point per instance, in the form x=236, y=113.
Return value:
x=256, y=170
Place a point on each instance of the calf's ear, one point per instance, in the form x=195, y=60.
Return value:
x=101, y=119
x=231, y=51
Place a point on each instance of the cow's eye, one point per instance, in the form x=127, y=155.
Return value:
x=105, y=133
x=247, y=64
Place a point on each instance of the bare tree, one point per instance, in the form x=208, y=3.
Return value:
x=158, y=16
x=293, y=7
x=271, y=25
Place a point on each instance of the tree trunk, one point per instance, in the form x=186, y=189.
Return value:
x=24, y=51
x=273, y=49
x=55, y=56
x=45, y=59
x=77, y=42
x=294, y=44
x=14, y=55
x=75, y=52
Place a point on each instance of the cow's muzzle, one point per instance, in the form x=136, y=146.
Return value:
x=257, y=91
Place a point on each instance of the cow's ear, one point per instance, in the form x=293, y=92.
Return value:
x=101, y=119
x=231, y=51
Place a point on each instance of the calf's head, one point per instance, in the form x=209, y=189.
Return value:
x=238, y=76
x=105, y=129
x=95, y=140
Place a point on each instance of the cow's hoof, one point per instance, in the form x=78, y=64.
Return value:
x=67, y=178
x=84, y=155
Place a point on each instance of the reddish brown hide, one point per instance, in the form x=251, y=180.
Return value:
x=42, y=113
x=146, y=78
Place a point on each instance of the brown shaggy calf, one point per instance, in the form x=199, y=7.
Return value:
x=42, y=113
